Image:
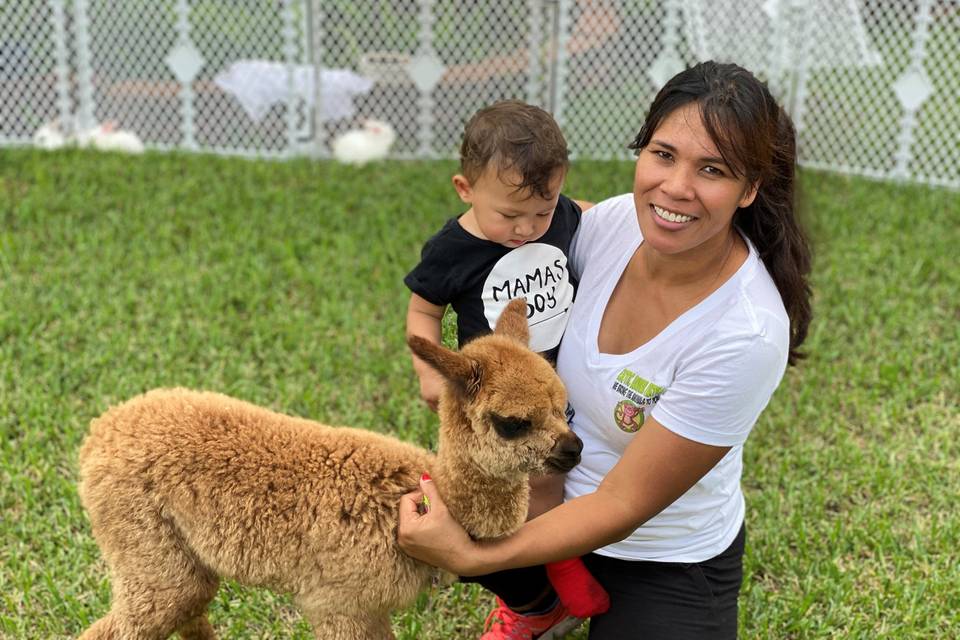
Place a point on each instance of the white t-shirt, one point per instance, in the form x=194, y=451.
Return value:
x=706, y=377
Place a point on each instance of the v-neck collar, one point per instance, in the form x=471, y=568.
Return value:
x=716, y=297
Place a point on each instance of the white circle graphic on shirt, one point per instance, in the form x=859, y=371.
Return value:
x=537, y=272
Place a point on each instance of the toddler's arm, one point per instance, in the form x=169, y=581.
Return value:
x=423, y=319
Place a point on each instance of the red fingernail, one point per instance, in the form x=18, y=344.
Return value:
x=425, y=477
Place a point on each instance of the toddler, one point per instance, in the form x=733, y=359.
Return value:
x=512, y=242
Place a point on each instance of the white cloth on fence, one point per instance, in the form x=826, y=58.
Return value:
x=259, y=84
x=769, y=36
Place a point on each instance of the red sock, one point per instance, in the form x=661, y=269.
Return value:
x=579, y=591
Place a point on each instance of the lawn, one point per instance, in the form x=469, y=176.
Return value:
x=281, y=283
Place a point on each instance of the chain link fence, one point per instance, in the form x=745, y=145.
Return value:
x=873, y=85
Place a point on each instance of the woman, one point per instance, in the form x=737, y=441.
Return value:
x=693, y=299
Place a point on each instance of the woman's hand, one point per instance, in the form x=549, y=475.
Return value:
x=429, y=533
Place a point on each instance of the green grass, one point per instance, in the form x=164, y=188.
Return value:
x=281, y=283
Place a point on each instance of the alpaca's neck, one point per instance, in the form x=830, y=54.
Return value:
x=487, y=505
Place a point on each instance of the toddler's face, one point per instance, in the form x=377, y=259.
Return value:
x=502, y=214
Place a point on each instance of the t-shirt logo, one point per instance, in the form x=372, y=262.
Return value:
x=538, y=272
x=639, y=397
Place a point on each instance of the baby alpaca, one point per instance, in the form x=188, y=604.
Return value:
x=183, y=488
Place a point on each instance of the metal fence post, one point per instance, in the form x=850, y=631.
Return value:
x=535, y=7
x=86, y=108
x=61, y=67
x=315, y=43
x=558, y=76
x=289, y=56
x=185, y=46
x=425, y=80
x=912, y=89
x=798, y=84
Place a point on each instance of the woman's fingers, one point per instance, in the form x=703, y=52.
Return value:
x=426, y=530
x=409, y=505
x=430, y=495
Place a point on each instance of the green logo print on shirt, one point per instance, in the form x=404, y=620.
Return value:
x=639, y=397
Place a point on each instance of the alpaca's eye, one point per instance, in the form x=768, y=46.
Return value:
x=509, y=427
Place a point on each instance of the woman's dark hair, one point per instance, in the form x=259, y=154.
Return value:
x=756, y=139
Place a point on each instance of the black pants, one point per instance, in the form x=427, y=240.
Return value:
x=649, y=600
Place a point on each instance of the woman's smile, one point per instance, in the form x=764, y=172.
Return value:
x=671, y=219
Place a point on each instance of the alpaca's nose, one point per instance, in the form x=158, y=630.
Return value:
x=575, y=446
x=566, y=453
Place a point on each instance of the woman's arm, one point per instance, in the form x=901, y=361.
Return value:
x=656, y=469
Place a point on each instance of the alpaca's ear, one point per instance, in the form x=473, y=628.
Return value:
x=513, y=321
x=465, y=373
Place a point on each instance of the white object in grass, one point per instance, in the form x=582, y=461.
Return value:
x=49, y=137
x=107, y=137
x=359, y=146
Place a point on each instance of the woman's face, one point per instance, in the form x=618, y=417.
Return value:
x=684, y=192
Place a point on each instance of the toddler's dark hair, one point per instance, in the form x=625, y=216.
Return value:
x=512, y=136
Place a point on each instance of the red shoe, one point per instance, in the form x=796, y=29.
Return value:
x=504, y=623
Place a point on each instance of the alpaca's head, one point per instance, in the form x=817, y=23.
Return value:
x=512, y=400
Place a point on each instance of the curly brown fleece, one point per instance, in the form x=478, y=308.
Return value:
x=184, y=487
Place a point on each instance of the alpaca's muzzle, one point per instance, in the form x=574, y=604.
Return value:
x=565, y=454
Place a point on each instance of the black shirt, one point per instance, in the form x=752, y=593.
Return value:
x=479, y=277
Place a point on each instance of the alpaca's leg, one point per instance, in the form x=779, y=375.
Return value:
x=112, y=627
x=142, y=609
x=105, y=628
x=153, y=610
x=197, y=629
x=328, y=625
x=343, y=628
x=158, y=584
